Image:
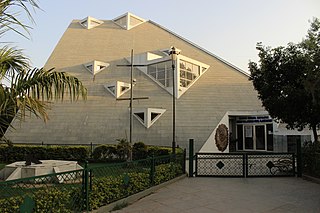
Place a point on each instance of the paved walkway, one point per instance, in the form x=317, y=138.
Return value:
x=204, y=195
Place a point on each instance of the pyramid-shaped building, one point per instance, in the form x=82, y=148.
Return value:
x=216, y=104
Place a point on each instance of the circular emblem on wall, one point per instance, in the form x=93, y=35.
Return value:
x=221, y=137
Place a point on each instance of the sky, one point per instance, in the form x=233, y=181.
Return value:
x=229, y=29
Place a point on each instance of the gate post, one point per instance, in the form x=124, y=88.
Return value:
x=85, y=186
x=191, y=153
x=299, y=159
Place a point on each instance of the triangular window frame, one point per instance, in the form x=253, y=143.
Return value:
x=125, y=21
x=90, y=22
x=94, y=67
x=147, y=120
x=118, y=88
x=185, y=77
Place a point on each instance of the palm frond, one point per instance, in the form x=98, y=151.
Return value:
x=9, y=20
x=31, y=93
x=12, y=60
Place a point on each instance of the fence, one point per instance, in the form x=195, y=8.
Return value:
x=244, y=164
x=88, y=188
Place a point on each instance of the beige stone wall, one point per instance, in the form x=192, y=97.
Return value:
x=102, y=119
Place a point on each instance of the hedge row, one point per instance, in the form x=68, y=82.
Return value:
x=110, y=153
x=104, y=190
x=20, y=152
x=112, y=188
x=102, y=153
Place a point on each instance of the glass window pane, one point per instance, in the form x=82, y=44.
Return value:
x=161, y=74
x=196, y=70
x=152, y=69
x=162, y=81
x=182, y=64
x=189, y=66
x=248, y=137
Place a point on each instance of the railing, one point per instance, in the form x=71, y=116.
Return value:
x=88, y=188
x=245, y=164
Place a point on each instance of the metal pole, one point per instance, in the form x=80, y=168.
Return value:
x=299, y=159
x=131, y=100
x=191, y=154
x=173, y=109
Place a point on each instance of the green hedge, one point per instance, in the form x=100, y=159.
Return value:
x=10, y=205
x=109, y=189
x=20, y=152
x=311, y=159
x=104, y=190
x=101, y=153
x=112, y=188
x=45, y=200
x=111, y=153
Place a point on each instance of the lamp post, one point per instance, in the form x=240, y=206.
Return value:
x=173, y=53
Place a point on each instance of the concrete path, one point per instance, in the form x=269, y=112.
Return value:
x=210, y=195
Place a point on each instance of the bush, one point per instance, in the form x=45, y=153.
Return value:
x=20, y=152
x=53, y=200
x=11, y=204
x=158, y=151
x=139, y=151
x=165, y=172
x=105, y=153
x=311, y=158
x=50, y=199
x=119, y=153
x=123, y=149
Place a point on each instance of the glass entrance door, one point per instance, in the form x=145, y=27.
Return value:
x=254, y=137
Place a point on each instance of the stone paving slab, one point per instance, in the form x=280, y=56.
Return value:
x=204, y=195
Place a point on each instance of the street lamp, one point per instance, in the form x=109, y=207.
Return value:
x=173, y=53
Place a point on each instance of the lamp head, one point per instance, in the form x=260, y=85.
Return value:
x=174, y=52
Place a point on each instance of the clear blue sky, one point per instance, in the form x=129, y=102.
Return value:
x=228, y=29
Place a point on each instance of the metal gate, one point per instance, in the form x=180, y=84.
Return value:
x=244, y=164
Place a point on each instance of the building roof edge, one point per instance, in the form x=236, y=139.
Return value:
x=200, y=48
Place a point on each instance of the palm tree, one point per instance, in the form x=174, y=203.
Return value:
x=30, y=91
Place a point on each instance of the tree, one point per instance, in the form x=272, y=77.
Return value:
x=31, y=91
x=288, y=81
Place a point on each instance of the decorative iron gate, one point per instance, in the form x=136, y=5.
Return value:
x=219, y=165
x=244, y=164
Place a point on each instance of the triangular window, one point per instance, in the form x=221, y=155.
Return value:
x=124, y=88
x=140, y=115
x=117, y=88
x=154, y=115
x=96, y=66
x=90, y=22
x=128, y=21
x=148, y=116
x=112, y=89
x=187, y=72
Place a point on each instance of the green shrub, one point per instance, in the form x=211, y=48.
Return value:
x=105, y=190
x=53, y=200
x=123, y=149
x=165, y=172
x=20, y=152
x=139, y=151
x=109, y=189
x=11, y=204
x=137, y=182
x=158, y=151
x=311, y=158
x=105, y=153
